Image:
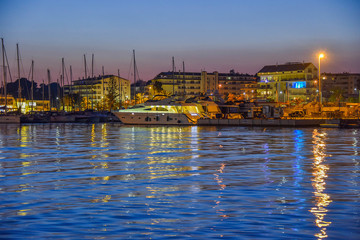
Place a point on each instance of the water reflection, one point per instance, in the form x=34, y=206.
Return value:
x=162, y=162
x=299, y=158
x=222, y=186
x=170, y=156
x=79, y=180
x=319, y=176
x=356, y=152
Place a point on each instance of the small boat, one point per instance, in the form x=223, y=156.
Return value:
x=341, y=123
x=35, y=117
x=7, y=117
x=61, y=117
x=331, y=123
x=10, y=118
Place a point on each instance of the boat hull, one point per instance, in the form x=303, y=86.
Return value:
x=137, y=118
x=9, y=118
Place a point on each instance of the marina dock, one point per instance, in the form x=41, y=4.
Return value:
x=264, y=122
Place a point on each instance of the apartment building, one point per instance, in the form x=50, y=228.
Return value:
x=286, y=82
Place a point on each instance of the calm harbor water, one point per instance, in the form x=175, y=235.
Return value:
x=108, y=181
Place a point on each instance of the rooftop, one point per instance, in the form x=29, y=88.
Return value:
x=96, y=78
x=169, y=74
x=285, y=67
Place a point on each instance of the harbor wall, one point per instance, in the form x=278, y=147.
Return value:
x=263, y=122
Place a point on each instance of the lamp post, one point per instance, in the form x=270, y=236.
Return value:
x=321, y=55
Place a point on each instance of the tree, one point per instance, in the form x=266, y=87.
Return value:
x=85, y=103
x=73, y=101
x=337, y=95
x=112, y=94
x=158, y=87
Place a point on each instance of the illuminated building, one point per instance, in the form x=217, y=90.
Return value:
x=347, y=83
x=13, y=104
x=10, y=103
x=37, y=105
x=95, y=89
x=286, y=82
x=238, y=84
x=196, y=83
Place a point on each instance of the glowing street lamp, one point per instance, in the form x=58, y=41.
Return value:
x=321, y=55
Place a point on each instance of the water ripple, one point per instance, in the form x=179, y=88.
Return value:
x=79, y=181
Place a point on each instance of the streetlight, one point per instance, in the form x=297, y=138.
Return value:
x=321, y=55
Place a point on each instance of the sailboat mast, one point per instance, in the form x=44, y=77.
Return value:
x=119, y=89
x=32, y=84
x=92, y=65
x=18, y=65
x=85, y=66
x=70, y=90
x=103, y=89
x=49, y=90
x=173, y=74
x=87, y=87
x=71, y=76
x=4, y=72
x=43, y=94
x=184, y=78
x=63, y=83
x=92, y=76
x=134, y=77
x=57, y=93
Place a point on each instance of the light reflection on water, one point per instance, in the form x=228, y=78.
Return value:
x=122, y=182
x=320, y=174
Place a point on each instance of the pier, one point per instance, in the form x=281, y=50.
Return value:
x=265, y=122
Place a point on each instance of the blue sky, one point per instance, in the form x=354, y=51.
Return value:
x=207, y=35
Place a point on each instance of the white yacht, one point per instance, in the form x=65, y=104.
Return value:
x=162, y=112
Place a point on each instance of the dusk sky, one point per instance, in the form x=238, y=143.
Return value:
x=243, y=35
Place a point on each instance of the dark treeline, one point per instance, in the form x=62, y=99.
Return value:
x=39, y=92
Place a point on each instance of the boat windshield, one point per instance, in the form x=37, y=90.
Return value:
x=170, y=109
x=213, y=109
x=190, y=109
